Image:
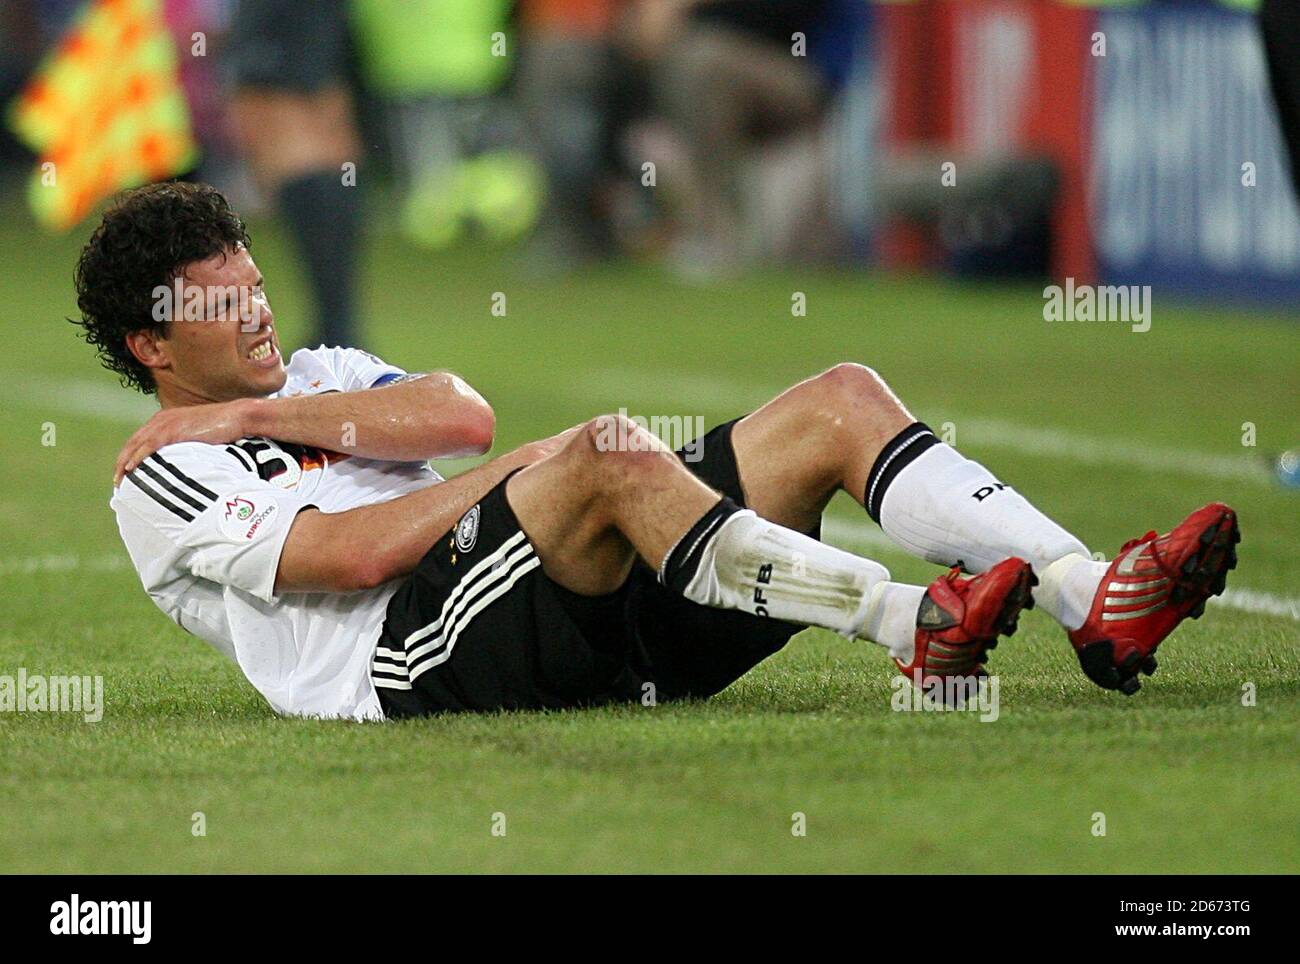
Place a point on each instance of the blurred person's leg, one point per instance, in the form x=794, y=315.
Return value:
x=1279, y=22
x=427, y=149
x=293, y=115
x=719, y=88
x=562, y=85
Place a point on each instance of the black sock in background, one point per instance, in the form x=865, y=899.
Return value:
x=325, y=218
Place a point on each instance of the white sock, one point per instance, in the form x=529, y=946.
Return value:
x=1066, y=589
x=891, y=618
x=732, y=559
x=950, y=510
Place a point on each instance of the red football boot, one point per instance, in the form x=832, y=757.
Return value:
x=959, y=619
x=1152, y=586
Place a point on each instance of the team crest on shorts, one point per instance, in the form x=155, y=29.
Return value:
x=467, y=530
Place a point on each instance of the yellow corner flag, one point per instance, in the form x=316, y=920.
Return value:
x=105, y=111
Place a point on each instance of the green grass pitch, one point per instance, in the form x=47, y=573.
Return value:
x=1109, y=431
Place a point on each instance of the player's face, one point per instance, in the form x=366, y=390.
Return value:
x=230, y=350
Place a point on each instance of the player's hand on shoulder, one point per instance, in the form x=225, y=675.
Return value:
x=215, y=424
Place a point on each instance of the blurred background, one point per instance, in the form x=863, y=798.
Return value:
x=1127, y=143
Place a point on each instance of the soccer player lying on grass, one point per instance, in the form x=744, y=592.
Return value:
x=286, y=514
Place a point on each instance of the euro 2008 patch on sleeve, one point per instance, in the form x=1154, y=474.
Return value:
x=243, y=519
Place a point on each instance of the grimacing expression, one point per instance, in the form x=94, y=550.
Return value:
x=231, y=349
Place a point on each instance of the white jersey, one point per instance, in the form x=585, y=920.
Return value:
x=205, y=524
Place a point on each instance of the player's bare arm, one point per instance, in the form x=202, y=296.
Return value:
x=430, y=415
x=373, y=544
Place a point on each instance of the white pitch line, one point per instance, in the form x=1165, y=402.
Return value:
x=79, y=396
x=868, y=539
x=1255, y=601
x=68, y=562
x=1074, y=447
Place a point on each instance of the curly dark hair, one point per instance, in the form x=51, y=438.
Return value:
x=146, y=238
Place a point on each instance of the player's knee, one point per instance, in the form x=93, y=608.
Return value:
x=834, y=405
x=855, y=384
x=619, y=447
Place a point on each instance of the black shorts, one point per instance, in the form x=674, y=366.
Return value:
x=478, y=626
x=291, y=45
